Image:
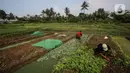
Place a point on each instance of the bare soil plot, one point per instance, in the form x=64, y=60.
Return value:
x=14, y=58
x=17, y=39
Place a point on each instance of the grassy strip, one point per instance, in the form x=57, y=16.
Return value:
x=123, y=44
x=18, y=33
x=89, y=28
x=81, y=61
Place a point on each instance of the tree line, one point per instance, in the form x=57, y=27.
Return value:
x=50, y=15
x=4, y=15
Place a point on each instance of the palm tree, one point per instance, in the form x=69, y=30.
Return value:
x=47, y=12
x=58, y=17
x=44, y=13
x=52, y=13
x=84, y=6
x=67, y=11
x=58, y=14
x=3, y=14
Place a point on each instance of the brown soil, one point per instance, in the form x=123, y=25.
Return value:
x=95, y=40
x=70, y=71
x=113, y=68
x=14, y=58
x=17, y=39
x=128, y=38
x=110, y=68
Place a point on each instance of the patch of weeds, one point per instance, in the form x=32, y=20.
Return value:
x=122, y=62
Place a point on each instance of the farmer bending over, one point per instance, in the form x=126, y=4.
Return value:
x=79, y=35
x=103, y=50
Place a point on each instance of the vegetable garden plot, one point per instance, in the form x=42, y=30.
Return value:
x=10, y=57
x=81, y=61
x=45, y=63
x=17, y=39
x=119, y=63
x=16, y=57
x=65, y=49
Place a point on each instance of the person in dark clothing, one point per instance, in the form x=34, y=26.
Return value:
x=103, y=50
x=79, y=35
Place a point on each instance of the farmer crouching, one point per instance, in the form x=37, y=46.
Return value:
x=103, y=50
x=79, y=35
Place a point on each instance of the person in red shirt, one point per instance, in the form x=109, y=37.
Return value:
x=79, y=35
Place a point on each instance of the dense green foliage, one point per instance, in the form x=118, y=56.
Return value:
x=100, y=14
x=81, y=61
x=2, y=14
x=50, y=15
x=122, y=18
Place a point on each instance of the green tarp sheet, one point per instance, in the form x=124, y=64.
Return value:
x=37, y=33
x=48, y=44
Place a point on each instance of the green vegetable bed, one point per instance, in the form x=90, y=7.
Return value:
x=81, y=61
